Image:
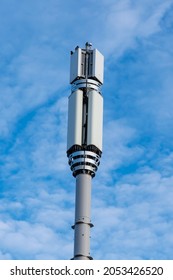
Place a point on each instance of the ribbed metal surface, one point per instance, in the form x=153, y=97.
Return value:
x=84, y=162
x=86, y=84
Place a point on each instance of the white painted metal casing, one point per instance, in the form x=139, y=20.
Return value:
x=74, y=132
x=98, y=65
x=78, y=65
x=95, y=119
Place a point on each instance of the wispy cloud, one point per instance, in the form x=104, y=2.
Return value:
x=139, y=222
x=132, y=207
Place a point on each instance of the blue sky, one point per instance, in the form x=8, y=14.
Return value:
x=132, y=194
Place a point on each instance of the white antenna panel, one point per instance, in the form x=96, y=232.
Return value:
x=98, y=64
x=95, y=119
x=75, y=105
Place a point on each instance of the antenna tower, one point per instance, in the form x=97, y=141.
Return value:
x=84, y=137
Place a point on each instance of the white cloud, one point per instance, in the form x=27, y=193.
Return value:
x=38, y=226
x=132, y=206
x=137, y=224
x=119, y=147
x=128, y=20
x=27, y=240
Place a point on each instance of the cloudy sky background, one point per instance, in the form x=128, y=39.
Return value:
x=132, y=195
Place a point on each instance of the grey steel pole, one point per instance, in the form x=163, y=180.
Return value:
x=82, y=218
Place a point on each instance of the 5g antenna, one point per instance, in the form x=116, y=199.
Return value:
x=84, y=137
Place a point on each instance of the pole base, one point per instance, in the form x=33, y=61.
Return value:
x=82, y=257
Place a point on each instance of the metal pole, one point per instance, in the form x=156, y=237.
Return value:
x=82, y=218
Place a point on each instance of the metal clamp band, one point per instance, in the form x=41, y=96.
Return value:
x=86, y=84
x=81, y=222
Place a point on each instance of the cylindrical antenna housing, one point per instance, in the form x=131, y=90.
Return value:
x=85, y=106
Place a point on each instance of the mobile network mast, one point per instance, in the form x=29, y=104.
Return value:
x=84, y=137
